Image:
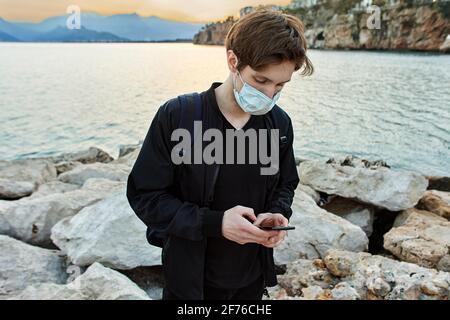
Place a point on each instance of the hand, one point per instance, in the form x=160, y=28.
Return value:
x=237, y=226
x=272, y=220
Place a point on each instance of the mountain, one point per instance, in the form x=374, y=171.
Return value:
x=63, y=34
x=137, y=28
x=129, y=26
x=6, y=37
x=16, y=31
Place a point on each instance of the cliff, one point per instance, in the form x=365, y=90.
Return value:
x=421, y=27
x=214, y=33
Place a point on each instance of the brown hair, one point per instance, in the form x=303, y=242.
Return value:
x=266, y=36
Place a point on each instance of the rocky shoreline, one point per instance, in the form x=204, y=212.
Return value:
x=363, y=231
x=403, y=27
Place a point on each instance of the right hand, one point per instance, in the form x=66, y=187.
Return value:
x=237, y=226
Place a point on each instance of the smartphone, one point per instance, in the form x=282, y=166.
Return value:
x=278, y=228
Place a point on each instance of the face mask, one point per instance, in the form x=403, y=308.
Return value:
x=252, y=100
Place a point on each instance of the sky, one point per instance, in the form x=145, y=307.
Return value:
x=181, y=10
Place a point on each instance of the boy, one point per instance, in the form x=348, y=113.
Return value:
x=207, y=216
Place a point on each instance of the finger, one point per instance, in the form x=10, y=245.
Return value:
x=281, y=220
x=272, y=240
x=262, y=219
x=270, y=244
x=276, y=244
x=250, y=215
x=248, y=212
x=279, y=237
x=275, y=239
x=259, y=235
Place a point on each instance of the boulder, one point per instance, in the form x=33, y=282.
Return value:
x=65, y=166
x=309, y=191
x=376, y=277
x=420, y=237
x=357, y=213
x=149, y=279
x=438, y=183
x=437, y=202
x=377, y=185
x=344, y=275
x=316, y=231
x=302, y=273
x=129, y=159
x=108, y=232
x=19, y=178
x=12, y=190
x=277, y=293
x=31, y=220
x=52, y=187
x=22, y=265
x=97, y=283
x=129, y=148
x=91, y=155
x=79, y=175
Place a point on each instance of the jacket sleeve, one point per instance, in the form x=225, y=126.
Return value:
x=150, y=182
x=288, y=181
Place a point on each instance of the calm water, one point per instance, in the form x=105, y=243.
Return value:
x=64, y=97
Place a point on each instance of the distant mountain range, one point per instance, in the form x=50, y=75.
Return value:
x=98, y=28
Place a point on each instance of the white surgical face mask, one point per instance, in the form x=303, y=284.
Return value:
x=252, y=100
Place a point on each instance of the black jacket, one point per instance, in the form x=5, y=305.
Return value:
x=172, y=200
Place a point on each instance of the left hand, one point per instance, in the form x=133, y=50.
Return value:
x=272, y=220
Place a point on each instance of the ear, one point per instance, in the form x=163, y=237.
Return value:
x=232, y=61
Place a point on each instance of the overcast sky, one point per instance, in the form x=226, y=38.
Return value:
x=183, y=10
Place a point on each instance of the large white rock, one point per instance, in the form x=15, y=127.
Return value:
x=309, y=191
x=108, y=232
x=79, y=175
x=97, y=283
x=54, y=186
x=19, y=178
x=316, y=231
x=12, y=190
x=31, y=219
x=4, y=224
x=420, y=237
x=129, y=148
x=22, y=265
x=128, y=159
x=380, y=186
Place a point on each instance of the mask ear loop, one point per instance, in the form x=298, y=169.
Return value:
x=234, y=78
x=240, y=77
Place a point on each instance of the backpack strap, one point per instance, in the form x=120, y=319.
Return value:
x=275, y=123
x=191, y=110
